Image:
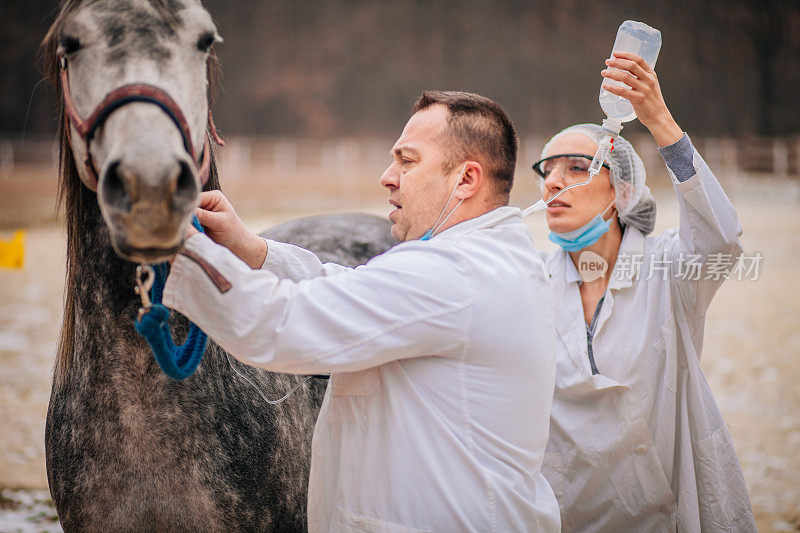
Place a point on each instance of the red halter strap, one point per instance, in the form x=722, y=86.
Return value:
x=135, y=92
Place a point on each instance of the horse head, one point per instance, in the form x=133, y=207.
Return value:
x=133, y=76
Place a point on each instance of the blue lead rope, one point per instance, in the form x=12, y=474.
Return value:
x=177, y=362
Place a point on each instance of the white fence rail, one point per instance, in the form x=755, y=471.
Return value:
x=342, y=159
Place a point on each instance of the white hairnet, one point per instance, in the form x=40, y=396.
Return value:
x=635, y=205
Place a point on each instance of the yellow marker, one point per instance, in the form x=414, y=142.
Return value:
x=12, y=252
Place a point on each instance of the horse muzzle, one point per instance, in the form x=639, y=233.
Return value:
x=147, y=203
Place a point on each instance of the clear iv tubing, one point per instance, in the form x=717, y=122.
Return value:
x=541, y=205
x=612, y=128
x=258, y=389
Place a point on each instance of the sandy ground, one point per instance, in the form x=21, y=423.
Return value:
x=751, y=355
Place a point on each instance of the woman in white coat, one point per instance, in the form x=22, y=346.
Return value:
x=637, y=442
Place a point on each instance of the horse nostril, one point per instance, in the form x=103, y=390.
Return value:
x=113, y=188
x=146, y=182
x=185, y=186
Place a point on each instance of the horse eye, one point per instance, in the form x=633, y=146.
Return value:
x=205, y=42
x=69, y=45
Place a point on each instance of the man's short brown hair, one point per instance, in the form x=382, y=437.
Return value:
x=477, y=128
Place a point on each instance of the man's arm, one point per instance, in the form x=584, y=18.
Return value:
x=288, y=261
x=412, y=302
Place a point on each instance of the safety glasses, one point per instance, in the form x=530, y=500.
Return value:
x=573, y=167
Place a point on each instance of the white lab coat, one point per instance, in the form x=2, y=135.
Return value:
x=442, y=362
x=642, y=446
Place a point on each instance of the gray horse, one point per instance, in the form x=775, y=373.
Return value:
x=128, y=448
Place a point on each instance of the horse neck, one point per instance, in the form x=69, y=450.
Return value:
x=100, y=304
x=99, y=273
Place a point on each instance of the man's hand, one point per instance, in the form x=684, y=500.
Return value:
x=223, y=226
x=644, y=94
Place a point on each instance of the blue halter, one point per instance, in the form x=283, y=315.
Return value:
x=177, y=362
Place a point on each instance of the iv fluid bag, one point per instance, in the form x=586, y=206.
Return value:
x=642, y=40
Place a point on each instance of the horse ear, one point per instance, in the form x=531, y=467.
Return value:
x=213, y=173
x=213, y=76
x=214, y=80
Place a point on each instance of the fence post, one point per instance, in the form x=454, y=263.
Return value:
x=780, y=158
x=237, y=156
x=797, y=156
x=6, y=159
x=285, y=159
x=347, y=165
x=712, y=153
x=729, y=156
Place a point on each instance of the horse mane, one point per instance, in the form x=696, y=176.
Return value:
x=74, y=198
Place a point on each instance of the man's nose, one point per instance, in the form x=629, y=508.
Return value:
x=390, y=177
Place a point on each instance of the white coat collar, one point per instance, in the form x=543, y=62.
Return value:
x=569, y=322
x=491, y=218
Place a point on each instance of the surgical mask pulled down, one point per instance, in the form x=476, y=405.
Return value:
x=439, y=222
x=586, y=235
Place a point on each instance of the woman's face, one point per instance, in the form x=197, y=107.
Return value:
x=579, y=205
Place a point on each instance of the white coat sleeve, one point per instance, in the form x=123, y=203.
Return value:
x=708, y=234
x=412, y=302
x=292, y=262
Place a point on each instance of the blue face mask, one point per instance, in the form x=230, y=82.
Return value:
x=586, y=235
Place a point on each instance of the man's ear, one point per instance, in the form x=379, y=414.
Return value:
x=473, y=178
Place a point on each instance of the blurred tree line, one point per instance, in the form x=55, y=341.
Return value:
x=354, y=67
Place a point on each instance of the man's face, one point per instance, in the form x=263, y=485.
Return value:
x=417, y=185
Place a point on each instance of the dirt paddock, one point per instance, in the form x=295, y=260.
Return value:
x=751, y=355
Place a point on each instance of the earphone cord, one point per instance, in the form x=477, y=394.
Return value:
x=271, y=402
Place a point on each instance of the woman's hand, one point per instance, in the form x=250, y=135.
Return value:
x=644, y=94
x=223, y=226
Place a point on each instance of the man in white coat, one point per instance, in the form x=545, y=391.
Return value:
x=441, y=350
